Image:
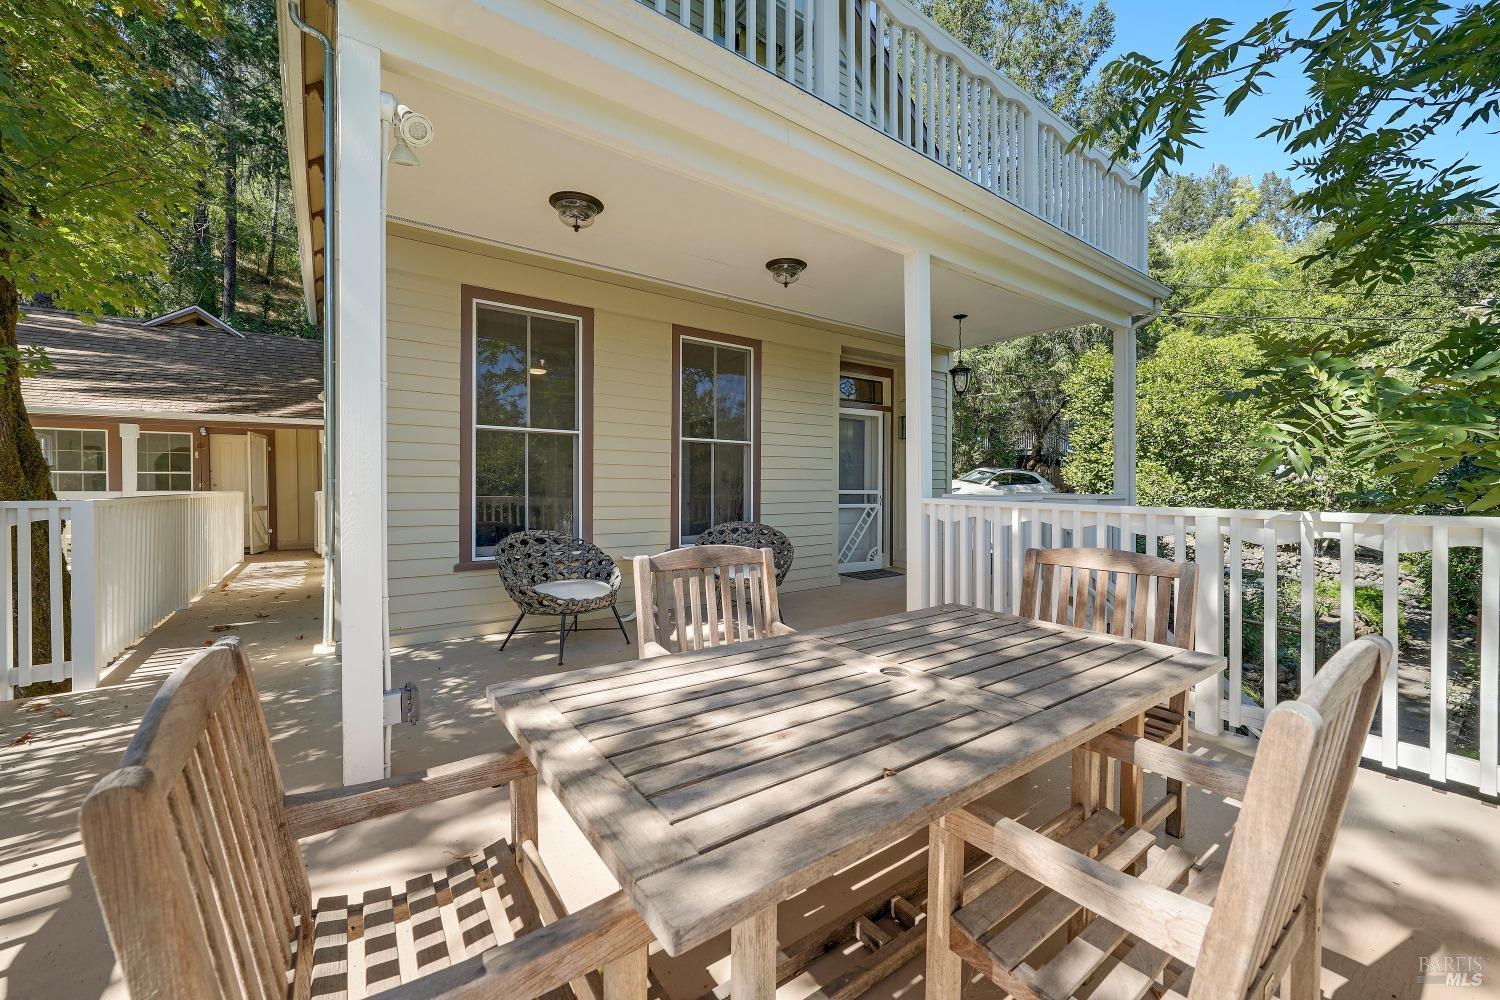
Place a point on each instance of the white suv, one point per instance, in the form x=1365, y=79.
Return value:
x=1001, y=482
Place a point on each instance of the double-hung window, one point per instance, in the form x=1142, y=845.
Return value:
x=77, y=458
x=164, y=461
x=527, y=420
x=716, y=424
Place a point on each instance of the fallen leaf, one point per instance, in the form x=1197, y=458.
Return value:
x=301, y=637
x=38, y=706
x=60, y=713
x=25, y=737
x=887, y=772
x=208, y=642
x=223, y=628
x=261, y=614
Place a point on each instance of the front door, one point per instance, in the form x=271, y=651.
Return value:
x=861, y=490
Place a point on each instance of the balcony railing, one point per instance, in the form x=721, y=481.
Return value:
x=896, y=70
x=1298, y=584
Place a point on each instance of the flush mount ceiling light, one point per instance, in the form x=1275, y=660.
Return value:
x=786, y=270
x=576, y=209
x=538, y=367
x=960, y=372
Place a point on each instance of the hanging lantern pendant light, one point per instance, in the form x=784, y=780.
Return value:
x=960, y=373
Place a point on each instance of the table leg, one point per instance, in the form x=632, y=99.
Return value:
x=1132, y=780
x=752, y=957
x=944, y=978
x=524, y=820
x=1090, y=782
x=625, y=977
x=1177, y=790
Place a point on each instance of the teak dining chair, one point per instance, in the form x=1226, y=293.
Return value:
x=1124, y=594
x=194, y=850
x=703, y=596
x=1259, y=932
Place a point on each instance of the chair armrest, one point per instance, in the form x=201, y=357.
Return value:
x=1171, y=922
x=540, y=961
x=1220, y=777
x=327, y=809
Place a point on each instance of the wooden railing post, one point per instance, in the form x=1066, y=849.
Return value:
x=825, y=48
x=1031, y=189
x=83, y=595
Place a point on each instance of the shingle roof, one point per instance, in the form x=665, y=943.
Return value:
x=122, y=365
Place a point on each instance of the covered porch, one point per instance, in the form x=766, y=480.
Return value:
x=701, y=186
x=1411, y=876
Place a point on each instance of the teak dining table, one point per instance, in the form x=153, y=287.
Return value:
x=716, y=784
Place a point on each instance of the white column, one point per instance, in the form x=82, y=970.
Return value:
x=1124, y=356
x=918, y=302
x=130, y=443
x=360, y=324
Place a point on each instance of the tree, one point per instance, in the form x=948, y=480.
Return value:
x=96, y=168
x=1383, y=77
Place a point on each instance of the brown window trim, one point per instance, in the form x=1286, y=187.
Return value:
x=754, y=346
x=468, y=295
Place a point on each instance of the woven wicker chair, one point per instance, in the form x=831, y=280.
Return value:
x=754, y=535
x=549, y=573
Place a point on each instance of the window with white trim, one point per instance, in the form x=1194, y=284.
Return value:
x=715, y=427
x=78, y=458
x=164, y=461
x=527, y=422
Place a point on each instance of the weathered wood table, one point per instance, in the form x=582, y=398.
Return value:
x=716, y=784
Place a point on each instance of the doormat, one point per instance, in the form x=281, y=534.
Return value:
x=873, y=574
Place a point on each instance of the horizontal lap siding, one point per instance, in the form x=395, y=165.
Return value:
x=632, y=430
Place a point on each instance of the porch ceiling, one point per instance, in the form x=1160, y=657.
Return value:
x=488, y=174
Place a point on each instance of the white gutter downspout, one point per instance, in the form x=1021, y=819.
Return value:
x=330, y=339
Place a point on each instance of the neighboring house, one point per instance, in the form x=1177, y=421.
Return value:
x=181, y=402
x=638, y=379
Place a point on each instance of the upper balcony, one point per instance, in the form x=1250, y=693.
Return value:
x=893, y=68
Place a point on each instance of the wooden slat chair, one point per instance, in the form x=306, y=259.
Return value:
x=703, y=596
x=194, y=851
x=1245, y=930
x=1125, y=594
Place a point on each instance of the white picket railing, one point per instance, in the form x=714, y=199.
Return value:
x=131, y=562
x=975, y=548
x=895, y=69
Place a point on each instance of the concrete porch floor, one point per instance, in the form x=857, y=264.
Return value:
x=1416, y=872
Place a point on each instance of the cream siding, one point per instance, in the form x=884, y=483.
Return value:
x=632, y=444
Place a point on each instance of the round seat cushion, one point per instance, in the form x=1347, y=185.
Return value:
x=574, y=590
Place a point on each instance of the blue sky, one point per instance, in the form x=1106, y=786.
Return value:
x=1154, y=26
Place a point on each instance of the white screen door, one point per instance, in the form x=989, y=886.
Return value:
x=258, y=496
x=861, y=491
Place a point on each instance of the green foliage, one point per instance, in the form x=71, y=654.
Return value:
x=1465, y=573
x=1192, y=442
x=1383, y=76
x=96, y=163
x=1015, y=413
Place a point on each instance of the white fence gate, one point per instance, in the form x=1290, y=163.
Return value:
x=132, y=561
x=975, y=549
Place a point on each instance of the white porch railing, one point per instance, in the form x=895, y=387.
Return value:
x=896, y=70
x=1268, y=562
x=131, y=562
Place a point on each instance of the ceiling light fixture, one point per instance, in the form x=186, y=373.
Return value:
x=786, y=270
x=576, y=209
x=539, y=367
